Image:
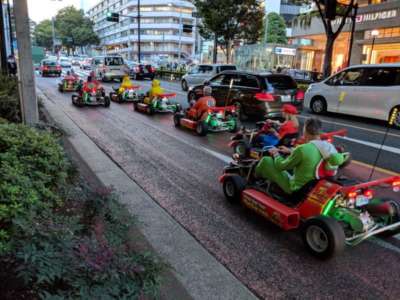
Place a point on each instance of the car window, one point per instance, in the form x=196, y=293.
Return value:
x=226, y=68
x=248, y=81
x=381, y=77
x=113, y=61
x=281, y=82
x=49, y=63
x=97, y=61
x=205, y=69
x=217, y=80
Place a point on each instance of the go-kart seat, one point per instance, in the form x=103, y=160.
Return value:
x=296, y=197
x=288, y=139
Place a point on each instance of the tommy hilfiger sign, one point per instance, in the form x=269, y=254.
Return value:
x=371, y=17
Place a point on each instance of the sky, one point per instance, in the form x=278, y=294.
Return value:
x=45, y=9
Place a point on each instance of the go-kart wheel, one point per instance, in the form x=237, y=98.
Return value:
x=242, y=149
x=234, y=128
x=135, y=104
x=76, y=100
x=60, y=88
x=201, y=128
x=177, y=120
x=233, y=187
x=184, y=85
x=323, y=237
x=178, y=108
x=113, y=96
x=239, y=111
x=150, y=110
x=107, y=101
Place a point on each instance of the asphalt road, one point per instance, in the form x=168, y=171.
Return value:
x=179, y=170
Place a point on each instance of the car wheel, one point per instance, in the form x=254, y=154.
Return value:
x=191, y=97
x=233, y=187
x=318, y=105
x=184, y=85
x=201, y=128
x=239, y=111
x=323, y=237
x=394, y=117
x=177, y=120
x=107, y=101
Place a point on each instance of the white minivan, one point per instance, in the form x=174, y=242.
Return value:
x=109, y=67
x=371, y=91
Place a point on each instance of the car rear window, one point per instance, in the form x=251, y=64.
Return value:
x=114, y=61
x=227, y=68
x=281, y=82
x=205, y=69
x=49, y=63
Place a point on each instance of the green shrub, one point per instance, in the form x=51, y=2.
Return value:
x=32, y=167
x=9, y=99
x=73, y=255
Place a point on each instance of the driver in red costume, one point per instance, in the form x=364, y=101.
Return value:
x=91, y=84
x=198, y=110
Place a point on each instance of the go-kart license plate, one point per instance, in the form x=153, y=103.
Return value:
x=286, y=98
x=254, y=154
x=361, y=200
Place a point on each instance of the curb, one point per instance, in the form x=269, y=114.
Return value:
x=195, y=272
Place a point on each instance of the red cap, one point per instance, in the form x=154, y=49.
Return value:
x=289, y=109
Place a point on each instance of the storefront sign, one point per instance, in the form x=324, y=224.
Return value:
x=370, y=17
x=285, y=51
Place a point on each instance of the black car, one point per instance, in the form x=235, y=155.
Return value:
x=254, y=94
x=142, y=71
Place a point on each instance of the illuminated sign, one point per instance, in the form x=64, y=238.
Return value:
x=370, y=17
x=285, y=51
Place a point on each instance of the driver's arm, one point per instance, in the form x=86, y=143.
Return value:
x=290, y=162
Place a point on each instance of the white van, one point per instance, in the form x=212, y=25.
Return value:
x=371, y=91
x=110, y=67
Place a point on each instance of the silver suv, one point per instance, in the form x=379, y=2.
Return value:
x=200, y=73
x=371, y=91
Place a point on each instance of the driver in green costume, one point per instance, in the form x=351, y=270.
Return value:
x=303, y=160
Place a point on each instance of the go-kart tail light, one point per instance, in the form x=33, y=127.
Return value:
x=152, y=69
x=299, y=95
x=368, y=194
x=265, y=97
x=396, y=186
x=330, y=140
x=352, y=195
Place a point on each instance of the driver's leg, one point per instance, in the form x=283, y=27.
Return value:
x=266, y=169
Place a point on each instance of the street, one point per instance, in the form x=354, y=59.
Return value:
x=180, y=170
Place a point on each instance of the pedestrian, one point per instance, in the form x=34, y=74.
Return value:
x=11, y=65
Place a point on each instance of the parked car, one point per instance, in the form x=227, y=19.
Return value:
x=109, y=67
x=76, y=61
x=142, y=71
x=259, y=95
x=362, y=90
x=303, y=76
x=65, y=62
x=86, y=64
x=49, y=67
x=198, y=74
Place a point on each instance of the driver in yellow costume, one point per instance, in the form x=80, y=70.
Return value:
x=155, y=90
x=126, y=84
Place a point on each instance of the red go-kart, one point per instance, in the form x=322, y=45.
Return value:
x=70, y=83
x=91, y=94
x=333, y=212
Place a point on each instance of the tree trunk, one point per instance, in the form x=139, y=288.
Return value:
x=330, y=41
x=228, y=51
x=215, y=50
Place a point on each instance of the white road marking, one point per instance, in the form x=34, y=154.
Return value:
x=223, y=157
x=353, y=126
x=370, y=144
x=384, y=244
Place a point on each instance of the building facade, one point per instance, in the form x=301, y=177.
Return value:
x=161, y=33
x=288, y=9
x=382, y=17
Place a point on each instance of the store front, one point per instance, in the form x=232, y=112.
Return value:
x=376, y=39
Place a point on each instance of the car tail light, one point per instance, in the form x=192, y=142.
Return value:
x=368, y=194
x=396, y=186
x=266, y=97
x=58, y=68
x=152, y=69
x=299, y=95
x=137, y=69
x=45, y=68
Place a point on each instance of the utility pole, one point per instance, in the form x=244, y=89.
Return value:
x=3, y=51
x=53, y=32
x=27, y=90
x=10, y=28
x=138, y=25
x=180, y=34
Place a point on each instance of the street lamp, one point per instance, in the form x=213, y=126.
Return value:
x=374, y=34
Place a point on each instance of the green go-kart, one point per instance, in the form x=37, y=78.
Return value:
x=160, y=104
x=128, y=95
x=217, y=119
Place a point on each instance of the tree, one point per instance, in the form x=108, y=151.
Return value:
x=276, y=29
x=43, y=34
x=74, y=29
x=324, y=10
x=228, y=21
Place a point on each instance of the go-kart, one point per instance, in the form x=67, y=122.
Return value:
x=245, y=146
x=160, y=104
x=70, y=83
x=128, y=95
x=217, y=119
x=91, y=95
x=332, y=212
